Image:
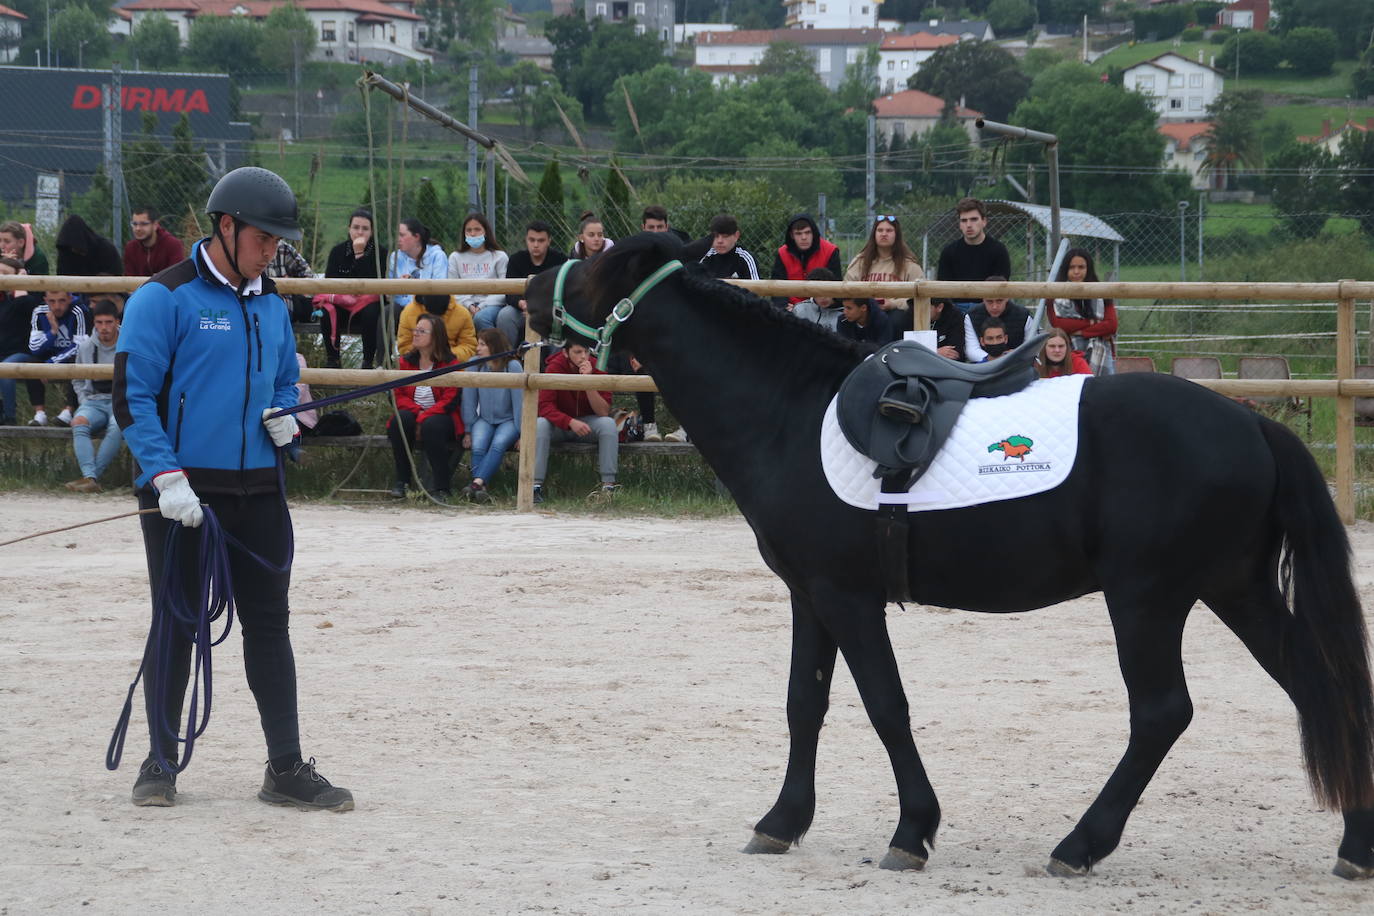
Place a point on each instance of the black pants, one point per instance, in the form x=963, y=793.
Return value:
x=364, y=323
x=436, y=439
x=263, y=524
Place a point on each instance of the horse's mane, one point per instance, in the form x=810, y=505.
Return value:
x=614, y=274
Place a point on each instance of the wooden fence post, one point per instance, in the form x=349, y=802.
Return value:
x=529, y=413
x=1345, y=410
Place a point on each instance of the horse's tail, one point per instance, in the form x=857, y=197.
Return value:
x=1325, y=654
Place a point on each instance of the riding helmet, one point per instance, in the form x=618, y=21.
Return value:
x=259, y=198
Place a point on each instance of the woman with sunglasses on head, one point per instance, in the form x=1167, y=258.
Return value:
x=885, y=259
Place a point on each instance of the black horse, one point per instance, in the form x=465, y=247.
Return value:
x=1177, y=495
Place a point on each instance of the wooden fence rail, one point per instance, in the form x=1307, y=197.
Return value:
x=1344, y=388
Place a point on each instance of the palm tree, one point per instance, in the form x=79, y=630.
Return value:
x=1233, y=140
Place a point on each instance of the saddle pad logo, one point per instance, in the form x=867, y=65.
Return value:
x=1017, y=447
x=215, y=320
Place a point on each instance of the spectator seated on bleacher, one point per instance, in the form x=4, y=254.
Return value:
x=1018, y=321
x=1058, y=357
x=802, y=251
x=429, y=417
x=992, y=340
x=56, y=327
x=864, y=321
x=16, y=313
x=16, y=241
x=591, y=237
x=491, y=416
x=479, y=257
x=83, y=252
x=288, y=262
x=537, y=257
x=576, y=415
x=414, y=258
x=885, y=259
x=356, y=258
x=152, y=249
x=462, y=338
x=822, y=310
x=95, y=415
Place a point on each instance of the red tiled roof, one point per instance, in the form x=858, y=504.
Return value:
x=14, y=14
x=259, y=9
x=1183, y=133
x=913, y=103
x=921, y=41
x=796, y=36
x=1328, y=132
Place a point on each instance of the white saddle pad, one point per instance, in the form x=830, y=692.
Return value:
x=1000, y=448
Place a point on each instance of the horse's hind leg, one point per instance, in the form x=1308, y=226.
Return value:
x=1149, y=638
x=808, y=698
x=1261, y=621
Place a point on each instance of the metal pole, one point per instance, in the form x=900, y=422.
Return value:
x=472, y=146
x=1051, y=154
x=47, y=29
x=869, y=185
x=1201, y=199
x=491, y=188
x=117, y=192
x=1182, y=235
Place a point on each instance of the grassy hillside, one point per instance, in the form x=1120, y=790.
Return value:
x=1334, y=85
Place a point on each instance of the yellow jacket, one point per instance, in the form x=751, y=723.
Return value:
x=462, y=337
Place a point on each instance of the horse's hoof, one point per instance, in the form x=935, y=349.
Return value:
x=1352, y=872
x=762, y=843
x=901, y=860
x=1064, y=870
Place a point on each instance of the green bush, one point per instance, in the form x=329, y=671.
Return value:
x=1220, y=35
x=1309, y=51
x=1259, y=52
x=1194, y=33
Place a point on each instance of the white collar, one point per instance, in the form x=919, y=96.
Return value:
x=253, y=288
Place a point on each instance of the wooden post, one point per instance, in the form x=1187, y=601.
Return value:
x=1345, y=410
x=529, y=413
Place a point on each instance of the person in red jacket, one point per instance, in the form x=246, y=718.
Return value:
x=576, y=415
x=1060, y=358
x=802, y=251
x=152, y=249
x=429, y=416
x=1091, y=323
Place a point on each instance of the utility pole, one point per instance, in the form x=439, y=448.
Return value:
x=1182, y=236
x=115, y=167
x=472, y=145
x=870, y=191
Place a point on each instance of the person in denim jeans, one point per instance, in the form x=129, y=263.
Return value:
x=97, y=410
x=491, y=416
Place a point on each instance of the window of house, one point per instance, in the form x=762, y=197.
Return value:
x=822, y=7
x=639, y=29
x=327, y=30
x=601, y=9
x=863, y=11
x=1195, y=103
x=823, y=58
x=1176, y=104
x=1194, y=80
x=906, y=65
x=892, y=65
x=352, y=35
x=1169, y=156
x=1145, y=81
x=639, y=9
x=392, y=34
x=1175, y=80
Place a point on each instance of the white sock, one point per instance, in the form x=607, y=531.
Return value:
x=66, y=415
x=41, y=416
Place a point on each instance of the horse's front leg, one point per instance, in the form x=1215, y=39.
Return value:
x=863, y=638
x=808, y=698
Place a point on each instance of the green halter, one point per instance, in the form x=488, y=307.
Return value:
x=620, y=314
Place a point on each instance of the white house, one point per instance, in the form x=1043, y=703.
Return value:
x=900, y=56
x=1331, y=138
x=346, y=30
x=1181, y=88
x=831, y=14
x=732, y=55
x=1185, y=147
x=11, y=33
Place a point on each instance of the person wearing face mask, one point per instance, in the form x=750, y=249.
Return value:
x=479, y=257
x=1019, y=324
x=462, y=337
x=993, y=340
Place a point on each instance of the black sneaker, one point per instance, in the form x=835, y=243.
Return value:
x=538, y=494
x=155, y=787
x=303, y=788
x=398, y=490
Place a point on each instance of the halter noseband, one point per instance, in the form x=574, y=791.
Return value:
x=601, y=337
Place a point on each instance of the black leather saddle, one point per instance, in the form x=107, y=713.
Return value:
x=898, y=407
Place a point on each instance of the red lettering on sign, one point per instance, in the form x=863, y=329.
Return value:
x=86, y=97
x=137, y=97
x=165, y=101
x=197, y=102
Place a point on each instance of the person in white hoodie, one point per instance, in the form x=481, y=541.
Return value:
x=479, y=257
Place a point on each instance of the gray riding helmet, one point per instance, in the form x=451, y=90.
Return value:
x=259, y=198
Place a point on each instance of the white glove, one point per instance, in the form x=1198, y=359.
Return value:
x=176, y=500
x=281, y=429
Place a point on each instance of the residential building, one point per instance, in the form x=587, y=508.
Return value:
x=687, y=32
x=654, y=17
x=1185, y=147
x=831, y=14
x=11, y=33
x=900, y=56
x=1331, y=140
x=346, y=30
x=911, y=112
x=1181, y=89
x=1245, y=14
x=966, y=29
x=733, y=55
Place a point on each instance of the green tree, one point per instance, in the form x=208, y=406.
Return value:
x=288, y=36
x=860, y=84
x=613, y=51
x=1350, y=20
x=615, y=205
x=1309, y=50
x=471, y=22
x=1066, y=11
x=665, y=100
x=1010, y=16
x=435, y=217
x=760, y=206
x=1356, y=160
x=548, y=99
x=1253, y=52
x=944, y=164
x=1362, y=79
x=155, y=43
x=185, y=180
x=80, y=35
x=788, y=60
x=570, y=36
x=229, y=43
x=983, y=74
x=550, y=206
x=1304, y=178
x=1233, y=140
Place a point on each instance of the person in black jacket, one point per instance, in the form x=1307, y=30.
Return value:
x=720, y=253
x=948, y=324
x=974, y=255
x=864, y=321
x=538, y=256
x=357, y=258
x=83, y=252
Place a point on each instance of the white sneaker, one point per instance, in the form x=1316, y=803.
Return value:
x=677, y=435
x=39, y=419
x=65, y=417
x=651, y=433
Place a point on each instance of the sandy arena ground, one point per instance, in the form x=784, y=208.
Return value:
x=580, y=715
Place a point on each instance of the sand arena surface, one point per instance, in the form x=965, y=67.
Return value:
x=580, y=715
